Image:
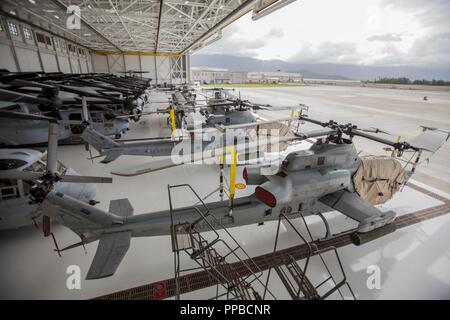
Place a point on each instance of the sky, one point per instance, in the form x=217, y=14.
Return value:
x=361, y=32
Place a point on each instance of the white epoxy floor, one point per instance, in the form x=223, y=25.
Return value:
x=414, y=261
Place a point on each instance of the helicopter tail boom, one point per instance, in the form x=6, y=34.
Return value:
x=99, y=141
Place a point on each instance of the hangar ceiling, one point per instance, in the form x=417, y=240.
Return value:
x=157, y=26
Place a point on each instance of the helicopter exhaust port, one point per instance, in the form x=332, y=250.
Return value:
x=252, y=176
x=359, y=238
x=274, y=192
x=265, y=197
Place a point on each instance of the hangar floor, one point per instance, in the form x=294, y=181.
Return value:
x=414, y=261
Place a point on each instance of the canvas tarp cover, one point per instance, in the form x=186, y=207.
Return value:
x=378, y=178
x=274, y=129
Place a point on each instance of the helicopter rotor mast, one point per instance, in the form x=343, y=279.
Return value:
x=352, y=130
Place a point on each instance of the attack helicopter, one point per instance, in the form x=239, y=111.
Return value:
x=20, y=169
x=119, y=94
x=24, y=133
x=225, y=110
x=112, y=100
x=319, y=179
x=197, y=141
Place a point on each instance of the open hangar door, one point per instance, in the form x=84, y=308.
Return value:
x=162, y=68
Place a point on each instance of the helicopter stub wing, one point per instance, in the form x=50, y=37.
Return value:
x=353, y=206
x=111, y=250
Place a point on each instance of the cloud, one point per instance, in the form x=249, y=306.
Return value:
x=433, y=14
x=433, y=49
x=275, y=33
x=387, y=37
x=237, y=46
x=327, y=52
x=235, y=42
x=250, y=45
x=410, y=32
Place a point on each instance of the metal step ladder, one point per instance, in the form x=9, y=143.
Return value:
x=294, y=277
x=236, y=278
x=295, y=281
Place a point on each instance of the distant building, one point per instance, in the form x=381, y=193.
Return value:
x=204, y=75
x=274, y=77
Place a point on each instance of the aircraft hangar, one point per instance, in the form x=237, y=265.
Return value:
x=95, y=96
x=114, y=36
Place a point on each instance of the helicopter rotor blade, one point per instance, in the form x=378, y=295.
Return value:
x=34, y=176
x=151, y=166
x=221, y=104
x=82, y=93
x=85, y=112
x=95, y=105
x=20, y=175
x=197, y=157
x=375, y=130
x=430, y=140
x=158, y=102
x=30, y=116
x=315, y=133
x=52, y=151
x=137, y=115
x=223, y=128
x=307, y=119
x=85, y=179
x=9, y=95
x=26, y=83
x=101, y=86
x=24, y=116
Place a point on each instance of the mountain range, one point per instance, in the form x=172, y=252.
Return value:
x=317, y=70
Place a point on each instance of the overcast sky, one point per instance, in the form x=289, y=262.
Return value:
x=367, y=32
